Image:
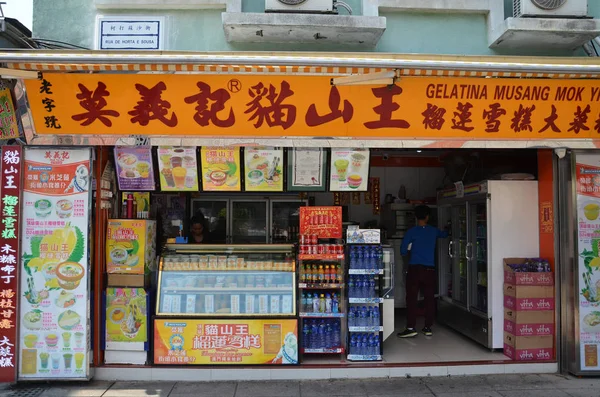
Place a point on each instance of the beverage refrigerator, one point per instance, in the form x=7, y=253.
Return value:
x=487, y=222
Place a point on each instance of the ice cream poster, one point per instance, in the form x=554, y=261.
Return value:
x=263, y=169
x=220, y=169
x=126, y=315
x=588, y=243
x=178, y=169
x=225, y=342
x=349, y=170
x=54, y=289
x=134, y=168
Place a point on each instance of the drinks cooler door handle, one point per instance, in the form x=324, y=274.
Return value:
x=450, y=253
x=469, y=251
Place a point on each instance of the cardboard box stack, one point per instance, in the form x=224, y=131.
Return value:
x=528, y=311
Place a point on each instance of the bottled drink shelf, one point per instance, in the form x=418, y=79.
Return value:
x=366, y=329
x=338, y=350
x=365, y=300
x=320, y=256
x=322, y=315
x=320, y=285
x=357, y=357
x=365, y=271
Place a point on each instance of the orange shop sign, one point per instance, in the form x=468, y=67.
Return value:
x=275, y=106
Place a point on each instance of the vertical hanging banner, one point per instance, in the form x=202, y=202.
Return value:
x=9, y=253
x=8, y=120
x=54, y=315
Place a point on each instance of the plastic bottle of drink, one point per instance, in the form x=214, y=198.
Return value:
x=352, y=255
x=364, y=287
x=303, y=302
x=315, y=303
x=375, y=317
x=337, y=338
x=326, y=274
x=361, y=342
x=372, y=287
x=335, y=304
x=377, y=345
x=322, y=303
x=314, y=333
x=328, y=335
x=320, y=275
x=360, y=255
x=351, y=286
x=371, y=345
x=328, y=303
x=338, y=274
x=306, y=335
x=369, y=321
x=353, y=344
x=368, y=257
x=351, y=316
x=321, y=339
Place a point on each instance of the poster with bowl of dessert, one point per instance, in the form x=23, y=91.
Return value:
x=349, y=170
x=135, y=171
x=263, y=169
x=220, y=169
x=178, y=169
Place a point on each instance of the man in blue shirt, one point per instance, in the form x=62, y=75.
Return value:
x=421, y=270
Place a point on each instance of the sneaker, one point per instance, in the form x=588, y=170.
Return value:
x=407, y=333
x=427, y=331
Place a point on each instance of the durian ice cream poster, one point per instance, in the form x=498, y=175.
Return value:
x=54, y=281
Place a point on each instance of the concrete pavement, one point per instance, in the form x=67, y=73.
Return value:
x=455, y=386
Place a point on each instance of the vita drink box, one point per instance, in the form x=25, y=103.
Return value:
x=528, y=348
x=528, y=285
x=529, y=323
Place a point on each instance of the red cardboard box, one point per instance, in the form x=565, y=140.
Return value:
x=528, y=348
x=511, y=277
x=528, y=304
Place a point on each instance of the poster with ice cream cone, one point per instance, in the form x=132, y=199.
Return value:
x=349, y=170
x=54, y=294
x=178, y=169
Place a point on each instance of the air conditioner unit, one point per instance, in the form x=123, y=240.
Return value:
x=550, y=8
x=300, y=6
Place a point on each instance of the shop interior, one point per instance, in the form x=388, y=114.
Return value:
x=407, y=177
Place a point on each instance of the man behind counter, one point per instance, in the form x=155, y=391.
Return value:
x=421, y=270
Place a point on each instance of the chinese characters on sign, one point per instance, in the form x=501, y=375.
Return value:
x=8, y=120
x=217, y=105
x=220, y=169
x=197, y=342
x=54, y=264
x=326, y=222
x=9, y=254
x=588, y=245
x=130, y=33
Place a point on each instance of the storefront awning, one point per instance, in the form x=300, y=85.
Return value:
x=431, y=106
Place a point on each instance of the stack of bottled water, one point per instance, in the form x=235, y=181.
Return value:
x=366, y=257
x=361, y=286
x=365, y=316
x=321, y=334
x=365, y=344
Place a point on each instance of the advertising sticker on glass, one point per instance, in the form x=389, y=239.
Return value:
x=588, y=231
x=134, y=168
x=178, y=169
x=306, y=170
x=349, y=170
x=220, y=169
x=263, y=169
x=55, y=284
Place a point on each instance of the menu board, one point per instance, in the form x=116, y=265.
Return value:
x=54, y=287
x=126, y=315
x=134, y=168
x=588, y=225
x=349, y=170
x=263, y=169
x=228, y=342
x=325, y=222
x=220, y=169
x=306, y=169
x=178, y=169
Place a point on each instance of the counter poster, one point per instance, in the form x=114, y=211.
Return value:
x=126, y=315
x=134, y=168
x=263, y=169
x=229, y=342
x=54, y=291
x=306, y=170
x=130, y=246
x=349, y=170
x=178, y=169
x=220, y=169
x=325, y=222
